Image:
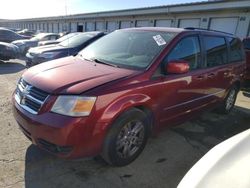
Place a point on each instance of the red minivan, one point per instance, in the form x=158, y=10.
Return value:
x=109, y=98
x=246, y=43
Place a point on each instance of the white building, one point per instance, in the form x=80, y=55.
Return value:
x=232, y=16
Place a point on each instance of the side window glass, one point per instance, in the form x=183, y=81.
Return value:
x=53, y=37
x=246, y=43
x=216, y=50
x=187, y=49
x=45, y=38
x=236, y=52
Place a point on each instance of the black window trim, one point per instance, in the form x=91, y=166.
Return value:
x=205, y=53
x=200, y=64
x=162, y=64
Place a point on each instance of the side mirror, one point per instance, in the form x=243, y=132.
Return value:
x=177, y=67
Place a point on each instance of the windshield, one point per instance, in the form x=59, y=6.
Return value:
x=66, y=37
x=128, y=49
x=76, y=40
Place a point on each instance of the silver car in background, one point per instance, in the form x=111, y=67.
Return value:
x=24, y=45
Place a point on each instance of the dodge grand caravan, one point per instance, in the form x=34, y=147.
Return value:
x=109, y=98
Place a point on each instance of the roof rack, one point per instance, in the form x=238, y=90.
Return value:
x=195, y=28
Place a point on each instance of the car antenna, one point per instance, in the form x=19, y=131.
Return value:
x=66, y=14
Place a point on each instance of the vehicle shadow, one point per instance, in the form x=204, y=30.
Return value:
x=163, y=163
x=212, y=128
x=10, y=67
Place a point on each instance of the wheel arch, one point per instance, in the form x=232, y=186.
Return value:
x=140, y=102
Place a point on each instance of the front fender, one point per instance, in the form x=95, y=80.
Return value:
x=122, y=104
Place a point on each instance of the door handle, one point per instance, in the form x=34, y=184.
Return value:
x=211, y=75
x=201, y=77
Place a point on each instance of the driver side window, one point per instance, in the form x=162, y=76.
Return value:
x=187, y=49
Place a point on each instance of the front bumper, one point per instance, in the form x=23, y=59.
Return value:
x=62, y=136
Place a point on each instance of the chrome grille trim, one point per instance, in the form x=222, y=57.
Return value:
x=29, y=97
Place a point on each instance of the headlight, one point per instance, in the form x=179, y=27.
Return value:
x=74, y=105
x=48, y=55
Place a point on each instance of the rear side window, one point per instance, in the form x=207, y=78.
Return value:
x=187, y=49
x=53, y=37
x=236, y=51
x=216, y=50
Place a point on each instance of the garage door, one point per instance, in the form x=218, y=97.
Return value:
x=80, y=27
x=189, y=23
x=66, y=27
x=45, y=27
x=163, y=23
x=142, y=23
x=100, y=26
x=34, y=26
x=60, y=27
x=50, y=27
x=111, y=26
x=40, y=26
x=90, y=26
x=126, y=24
x=55, y=27
x=228, y=25
x=73, y=27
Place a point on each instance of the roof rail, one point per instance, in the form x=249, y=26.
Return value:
x=195, y=28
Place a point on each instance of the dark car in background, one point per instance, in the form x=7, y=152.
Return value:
x=8, y=36
x=246, y=43
x=124, y=86
x=27, y=32
x=8, y=51
x=68, y=47
x=49, y=42
x=24, y=45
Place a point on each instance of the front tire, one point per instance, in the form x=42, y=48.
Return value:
x=229, y=101
x=127, y=138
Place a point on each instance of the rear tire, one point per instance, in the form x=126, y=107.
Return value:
x=229, y=101
x=127, y=138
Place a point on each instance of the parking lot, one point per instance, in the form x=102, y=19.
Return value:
x=165, y=160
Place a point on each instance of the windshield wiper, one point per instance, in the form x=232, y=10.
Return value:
x=101, y=61
x=81, y=56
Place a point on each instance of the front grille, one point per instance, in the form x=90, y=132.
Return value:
x=29, y=97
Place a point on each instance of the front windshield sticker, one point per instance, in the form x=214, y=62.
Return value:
x=159, y=40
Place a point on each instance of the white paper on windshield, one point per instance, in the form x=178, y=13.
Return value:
x=159, y=40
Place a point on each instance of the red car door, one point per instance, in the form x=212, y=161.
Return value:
x=218, y=70
x=183, y=93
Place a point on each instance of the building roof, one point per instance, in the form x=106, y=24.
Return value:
x=208, y=5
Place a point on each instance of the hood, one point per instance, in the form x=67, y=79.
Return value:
x=49, y=48
x=10, y=46
x=41, y=49
x=24, y=41
x=72, y=75
x=48, y=42
x=20, y=41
